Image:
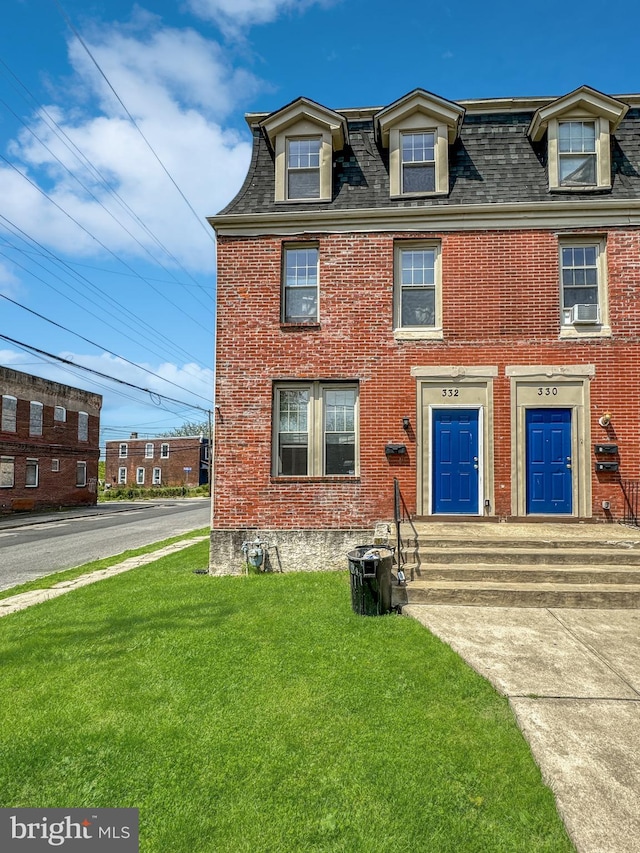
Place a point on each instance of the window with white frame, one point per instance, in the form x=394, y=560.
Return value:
x=122, y=476
x=83, y=426
x=31, y=473
x=577, y=154
x=315, y=429
x=583, y=283
x=81, y=473
x=303, y=168
x=140, y=476
x=9, y=412
x=418, y=158
x=59, y=414
x=35, y=418
x=300, y=284
x=122, y=451
x=418, y=310
x=148, y=450
x=7, y=472
x=164, y=451
x=55, y=465
x=157, y=476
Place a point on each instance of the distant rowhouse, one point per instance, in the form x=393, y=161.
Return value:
x=164, y=461
x=49, y=443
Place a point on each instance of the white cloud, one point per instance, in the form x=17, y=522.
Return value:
x=230, y=14
x=180, y=88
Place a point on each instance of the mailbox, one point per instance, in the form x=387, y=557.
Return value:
x=606, y=448
x=395, y=449
x=607, y=466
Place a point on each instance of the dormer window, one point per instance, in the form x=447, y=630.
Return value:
x=303, y=168
x=418, y=162
x=578, y=128
x=418, y=130
x=303, y=137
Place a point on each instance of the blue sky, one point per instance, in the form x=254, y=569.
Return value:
x=122, y=127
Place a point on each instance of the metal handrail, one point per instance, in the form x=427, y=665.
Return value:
x=631, y=494
x=400, y=514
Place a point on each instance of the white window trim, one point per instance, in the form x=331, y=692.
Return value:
x=601, y=329
x=59, y=414
x=139, y=476
x=164, y=450
x=304, y=129
x=122, y=476
x=602, y=153
x=288, y=247
x=32, y=463
x=315, y=428
x=157, y=477
x=9, y=424
x=147, y=454
x=418, y=123
x=122, y=455
x=55, y=466
x=435, y=332
x=81, y=466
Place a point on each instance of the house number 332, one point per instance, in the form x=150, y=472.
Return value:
x=450, y=392
x=547, y=392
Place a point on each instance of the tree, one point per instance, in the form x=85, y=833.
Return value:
x=188, y=428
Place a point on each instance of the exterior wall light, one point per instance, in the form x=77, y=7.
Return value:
x=605, y=420
x=406, y=423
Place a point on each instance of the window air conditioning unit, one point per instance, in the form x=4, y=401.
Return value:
x=585, y=314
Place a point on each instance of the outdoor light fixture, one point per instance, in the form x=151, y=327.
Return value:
x=605, y=420
x=406, y=423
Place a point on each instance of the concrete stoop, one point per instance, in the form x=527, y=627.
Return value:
x=520, y=566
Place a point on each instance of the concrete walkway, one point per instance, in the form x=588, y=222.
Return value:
x=573, y=681
x=26, y=599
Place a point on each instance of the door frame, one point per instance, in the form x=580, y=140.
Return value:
x=556, y=387
x=528, y=465
x=431, y=471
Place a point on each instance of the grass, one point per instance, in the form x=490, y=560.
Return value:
x=70, y=574
x=258, y=714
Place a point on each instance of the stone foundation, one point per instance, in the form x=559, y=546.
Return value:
x=288, y=550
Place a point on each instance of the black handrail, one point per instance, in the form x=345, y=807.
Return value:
x=400, y=514
x=631, y=494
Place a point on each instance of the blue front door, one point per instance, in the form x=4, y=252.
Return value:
x=455, y=461
x=549, y=483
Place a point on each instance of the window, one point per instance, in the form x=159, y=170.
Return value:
x=140, y=476
x=418, y=312
x=31, y=475
x=7, y=472
x=315, y=430
x=303, y=168
x=81, y=473
x=60, y=414
x=148, y=451
x=122, y=476
x=418, y=156
x=300, y=291
x=35, y=418
x=9, y=409
x=583, y=287
x=83, y=426
x=122, y=451
x=157, y=476
x=577, y=153
x=55, y=465
x=164, y=451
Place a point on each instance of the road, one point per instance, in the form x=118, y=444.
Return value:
x=36, y=545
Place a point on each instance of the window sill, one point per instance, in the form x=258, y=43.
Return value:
x=586, y=189
x=418, y=334
x=302, y=324
x=288, y=201
x=330, y=478
x=574, y=333
x=432, y=194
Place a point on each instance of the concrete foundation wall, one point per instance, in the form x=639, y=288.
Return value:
x=288, y=551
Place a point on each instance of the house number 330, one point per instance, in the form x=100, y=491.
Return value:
x=547, y=392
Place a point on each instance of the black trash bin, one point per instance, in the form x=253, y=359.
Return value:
x=370, y=572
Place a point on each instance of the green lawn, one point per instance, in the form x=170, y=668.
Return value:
x=260, y=714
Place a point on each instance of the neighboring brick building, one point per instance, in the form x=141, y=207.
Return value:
x=443, y=293
x=49, y=443
x=160, y=461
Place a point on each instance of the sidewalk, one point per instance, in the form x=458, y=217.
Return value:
x=26, y=599
x=572, y=678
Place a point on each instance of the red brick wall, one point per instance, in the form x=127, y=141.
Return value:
x=500, y=307
x=184, y=452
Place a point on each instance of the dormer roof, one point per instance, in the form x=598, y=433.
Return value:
x=583, y=99
x=433, y=107
x=304, y=108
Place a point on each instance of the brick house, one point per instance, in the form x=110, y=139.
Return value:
x=49, y=443
x=443, y=293
x=160, y=461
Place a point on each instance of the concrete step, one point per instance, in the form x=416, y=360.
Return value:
x=489, y=543
x=525, y=573
x=500, y=594
x=506, y=554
